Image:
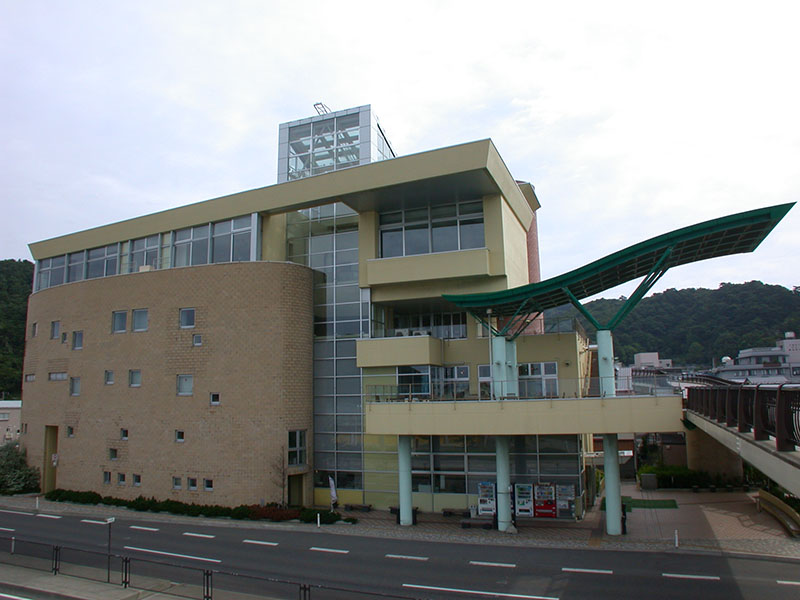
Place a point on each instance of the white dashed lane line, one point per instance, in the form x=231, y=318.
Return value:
x=787, y=582
x=6, y=529
x=16, y=512
x=688, y=576
x=330, y=550
x=259, y=542
x=44, y=516
x=406, y=557
x=143, y=528
x=479, y=563
x=93, y=522
x=199, y=535
x=595, y=571
x=476, y=592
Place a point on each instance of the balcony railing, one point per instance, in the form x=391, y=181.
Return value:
x=765, y=410
x=529, y=389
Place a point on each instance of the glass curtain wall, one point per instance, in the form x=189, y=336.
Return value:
x=326, y=239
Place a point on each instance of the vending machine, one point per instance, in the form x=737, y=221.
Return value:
x=544, y=496
x=523, y=499
x=565, y=500
x=487, y=504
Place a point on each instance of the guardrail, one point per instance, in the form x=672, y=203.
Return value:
x=165, y=578
x=547, y=388
x=765, y=410
x=780, y=510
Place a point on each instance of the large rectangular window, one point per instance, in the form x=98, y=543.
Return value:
x=144, y=252
x=185, y=385
x=119, y=321
x=140, y=319
x=102, y=262
x=432, y=229
x=538, y=380
x=297, y=447
x=231, y=240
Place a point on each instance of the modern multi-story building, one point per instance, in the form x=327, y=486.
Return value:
x=226, y=351
x=777, y=364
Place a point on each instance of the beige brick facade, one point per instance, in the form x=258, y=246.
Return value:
x=255, y=320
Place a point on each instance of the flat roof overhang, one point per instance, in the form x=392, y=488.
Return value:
x=465, y=171
x=733, y=234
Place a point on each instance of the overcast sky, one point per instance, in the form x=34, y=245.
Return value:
x=631, y=119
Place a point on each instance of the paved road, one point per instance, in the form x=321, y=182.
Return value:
x=401, y=567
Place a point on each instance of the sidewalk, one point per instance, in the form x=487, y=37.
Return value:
x=720, y=523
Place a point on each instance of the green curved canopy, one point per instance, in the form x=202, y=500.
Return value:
x=734, y=234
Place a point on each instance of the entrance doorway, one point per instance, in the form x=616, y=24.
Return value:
x=295, y=490
x=50, y=458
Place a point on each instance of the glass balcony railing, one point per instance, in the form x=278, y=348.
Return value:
x=526, y=390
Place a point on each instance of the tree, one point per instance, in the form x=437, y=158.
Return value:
x=16, y=477
x=279, y=473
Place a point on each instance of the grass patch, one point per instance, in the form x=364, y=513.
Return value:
x=631, y=503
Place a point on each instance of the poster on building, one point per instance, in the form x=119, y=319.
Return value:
x=487, y=503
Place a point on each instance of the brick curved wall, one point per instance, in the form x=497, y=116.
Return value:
x=255, y=320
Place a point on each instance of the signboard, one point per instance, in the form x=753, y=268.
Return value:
x=487, y=503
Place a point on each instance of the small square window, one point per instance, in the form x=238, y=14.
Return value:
x=70, y=431
x=30, y=377
x=108, y=378
x=113, y=454
x=123, y=434
x=140, y=319
x=106, y=477
x=197, y=340
x=176, y=483
x=64, y=338
x=55, y=330
x=214, y=398
x=74, y=386
x=134, y=378
x=185, y=385
x=77, y=340
x=179, y=436
x=119, y=321
x=187, y=318
x=137, y=480
x=120, y=478
x=191, y=483
x=208, y=485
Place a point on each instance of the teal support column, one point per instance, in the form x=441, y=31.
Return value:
x=613, y=491
x=505, y=374
x=404, y=479
x=503, y=485
x=605, y=362
x=608, y=389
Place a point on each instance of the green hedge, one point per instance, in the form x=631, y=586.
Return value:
x=255, y=512
x=681, y=477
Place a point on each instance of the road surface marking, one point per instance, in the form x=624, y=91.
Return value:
x=479, y=563
x=44, y=516
x=15, y=512
x=93, y=522
x=477, y=592
x=406, y=557
x=331, y=550
x=685, y=576
x=259, y=543
x=142, y=528
x=600, y=571
x=149, y=551
x=198, y=535
x=6, y=529
x=788, y=582
x=10, y=597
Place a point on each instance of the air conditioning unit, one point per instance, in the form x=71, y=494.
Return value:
x=421, y=332
x=145, y=268
x=401, y=332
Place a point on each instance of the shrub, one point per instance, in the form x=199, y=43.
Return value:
x=16, y=477
x=54, y=495
x=680, y=477
x=351, y=520
x=326, y=517
x=242, y=512
x=142, y=504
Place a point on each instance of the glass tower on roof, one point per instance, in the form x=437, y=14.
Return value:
x=329, y=142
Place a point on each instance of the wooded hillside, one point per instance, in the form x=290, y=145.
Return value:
x=16, y=277
x=692, y=326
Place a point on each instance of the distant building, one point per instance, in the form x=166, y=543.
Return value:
x=776, y=365
x=651, y=360
x=10, y=420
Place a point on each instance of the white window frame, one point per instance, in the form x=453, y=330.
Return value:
x=115, y=327
x=138, y=312
x=185, y=385
x=187, y=311
x=131, y=377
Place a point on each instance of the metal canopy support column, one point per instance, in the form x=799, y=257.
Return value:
x=503, y=485
x=404, y=479
x=505, y=372
x=608, y=389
